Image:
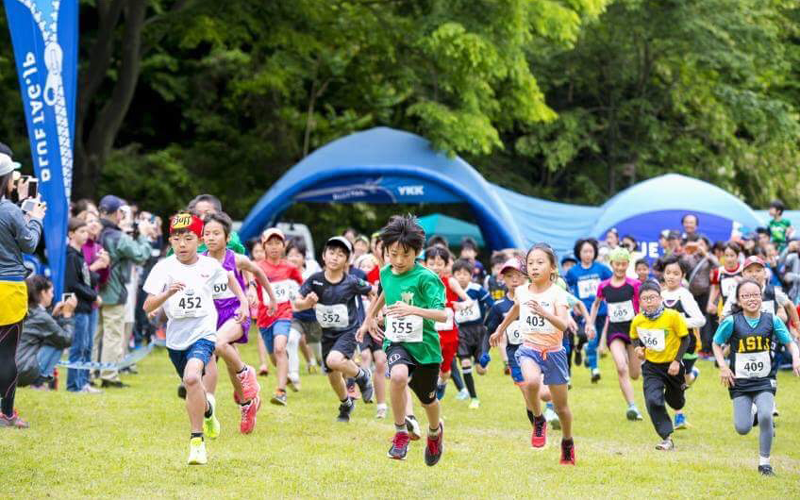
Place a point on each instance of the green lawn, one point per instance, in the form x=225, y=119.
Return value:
x=133, y=443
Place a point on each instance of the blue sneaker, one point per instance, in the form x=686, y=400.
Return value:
x=440, y=391
x=484, y=360
x=680, y=421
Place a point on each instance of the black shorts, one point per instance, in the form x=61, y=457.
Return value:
x=344, y=342
x=470, y=340
x=310, y=329
x=423, y=378
x=370, y=343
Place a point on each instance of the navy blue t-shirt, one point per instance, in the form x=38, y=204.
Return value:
x=336, y=311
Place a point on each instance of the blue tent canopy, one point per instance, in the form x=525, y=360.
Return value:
x=383, y=165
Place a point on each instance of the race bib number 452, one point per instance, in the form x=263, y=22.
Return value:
x=188, y=306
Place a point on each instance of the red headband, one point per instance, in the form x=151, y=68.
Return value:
x=186, y=221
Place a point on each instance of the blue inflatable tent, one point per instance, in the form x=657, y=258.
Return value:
x=383, y=165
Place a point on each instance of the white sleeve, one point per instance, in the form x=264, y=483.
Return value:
x=156, y=280
x=694, y=317
x=781, y=298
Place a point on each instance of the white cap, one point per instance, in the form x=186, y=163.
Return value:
x=7, y=165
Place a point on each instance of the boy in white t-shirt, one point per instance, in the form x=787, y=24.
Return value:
x=183, y=284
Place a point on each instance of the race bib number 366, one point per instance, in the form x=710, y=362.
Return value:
x=653, y=339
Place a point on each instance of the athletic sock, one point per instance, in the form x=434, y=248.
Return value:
x=244, y=369
x=401, y=429
x=530, y=415
x=347, y=401
x=434, y=433
x=539, y=418
x=763, y=460
x=197, y=435
x=550, y=406
x=469, y=381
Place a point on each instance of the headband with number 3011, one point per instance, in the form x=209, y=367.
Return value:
x=186, y=221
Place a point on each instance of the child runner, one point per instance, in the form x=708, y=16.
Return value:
x=332, y=293
x=661, y=339
x=471, y=330
x=541, y=308
x=371, y=349
x=184, y=284
x=642, y=270
x=497, y=289
x=750, y=373
x=437, y=259
x=305, y=334
x=621, y=294
x=415, y=297
x=469, y=252
x=677, y=297
x=274, y=328
x=583, y=281
x=230, y=330
x=257, y=252
x=725, y=278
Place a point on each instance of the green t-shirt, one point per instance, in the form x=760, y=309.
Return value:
x=419, y=287
x=778, y=229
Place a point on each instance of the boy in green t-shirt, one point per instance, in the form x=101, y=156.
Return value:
x=415, y=298
x=780, y=229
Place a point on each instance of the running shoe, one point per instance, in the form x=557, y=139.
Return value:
x=345, y=409
x=775, y=412
x=182, y=391
x=293, y=383
x=279, y=398
x=250, y=385
x=365, y=386
x=211, y=424
x=633, y=414
x=539, y=434
x=13, y=422
x=578, y=357
x=463, y=394
x=440, y=391
x=595, y=375
x=380, y=411
x=766, y=470
x=435, y=447
x=399, y=448
x=197, y=452
x=695, y=373
x=249, y=412
x=666, y=445
x=474, y=404
x=506, y=369
x=312, y=368
x=90, y=389
x=551, y=418
x=567, y=452
x=680, y=421
x=412, y=426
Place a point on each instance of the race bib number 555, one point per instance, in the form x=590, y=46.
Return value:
x=406, y=329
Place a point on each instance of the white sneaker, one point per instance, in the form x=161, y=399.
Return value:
x=666, y=445
x=380, y=411
x=463, y=394
x=552, y=418
x=474, y=404
x=89, y=389
x=197, y=452
x=414, y=431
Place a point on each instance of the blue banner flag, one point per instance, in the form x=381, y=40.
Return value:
x=45, y=38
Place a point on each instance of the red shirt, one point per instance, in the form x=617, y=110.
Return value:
x=450, y=298
x=285, y=279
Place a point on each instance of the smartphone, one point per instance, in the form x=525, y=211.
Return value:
x=33, y=187
x=29, y=204
x=66, y=296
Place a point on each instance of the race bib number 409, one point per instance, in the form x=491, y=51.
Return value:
x=753, y=364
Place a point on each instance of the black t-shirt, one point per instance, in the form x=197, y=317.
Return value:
x=336, y=310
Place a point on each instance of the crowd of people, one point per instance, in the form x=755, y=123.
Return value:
x=396, y=316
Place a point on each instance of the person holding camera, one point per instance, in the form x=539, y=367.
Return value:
x=20, y=233
x=124, y=252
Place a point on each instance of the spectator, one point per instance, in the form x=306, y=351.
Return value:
x=19, y=233
x=604, y=247
x=690, y=222
x=790, y=259
x=350, y=234
x=205, y=204
x=44, y=336
x=780, y=229
x=124, y=252
x=82, y=282
x=673, y=243
x=699, y=264
x=469, y=251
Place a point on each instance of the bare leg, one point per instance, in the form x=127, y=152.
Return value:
x=619, y=352
x=399, y=394
x=533, y=381
x=281, y=360
x=379, y=377
x=563, y=411
x=195, y=393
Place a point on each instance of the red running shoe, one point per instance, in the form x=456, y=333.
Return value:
x=399, y=447
x=567, y=452
x=13, y=422
x=435, y=447
x=539, y=434
x=250, y=385
x=249, y=412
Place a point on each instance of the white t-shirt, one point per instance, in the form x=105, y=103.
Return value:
x=191, y=313
x=535, y=329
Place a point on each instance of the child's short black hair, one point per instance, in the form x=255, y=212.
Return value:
x=579, y=245
x=468, y=242
x=463, y=265
x=762, y=230
x=667, y=260
x=641, y=261
x=404, y=230
x=498, y=259
x=298, y=244
x=438, y=240
x=777, y=205
x=433, y=252
x=222, y=219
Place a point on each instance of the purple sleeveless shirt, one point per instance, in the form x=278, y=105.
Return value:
x=225, y=301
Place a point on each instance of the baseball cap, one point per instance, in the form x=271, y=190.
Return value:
x=7, y=165
x=753, y=259
x=512, y=263
x=340, y=241
x=673, y=235
x=569, y=257
x=110, y=204
x=273, y=231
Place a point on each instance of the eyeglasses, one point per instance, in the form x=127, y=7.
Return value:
x=649, y=298
x=747, y=296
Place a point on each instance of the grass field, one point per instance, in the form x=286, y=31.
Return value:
x=133, y=443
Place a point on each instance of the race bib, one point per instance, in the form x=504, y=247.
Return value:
x=447, y=325
x=728, y=286
x=221, y=291
x=653, y=339
x=406, y=329
x=334, y=316
x=188, y=305
x=535, y=323
x=513, y=333
x=285, y=291
x=753, y=364
x=472, y=313
x=587, y=288
x=620, y=312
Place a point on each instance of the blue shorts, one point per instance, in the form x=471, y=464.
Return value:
x=202, y=350
x=555, y=368
x=516, y=372
x=268, y=334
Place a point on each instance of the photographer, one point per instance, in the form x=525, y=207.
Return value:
x=790, y=260
x=125, y=252
x=19, y=233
